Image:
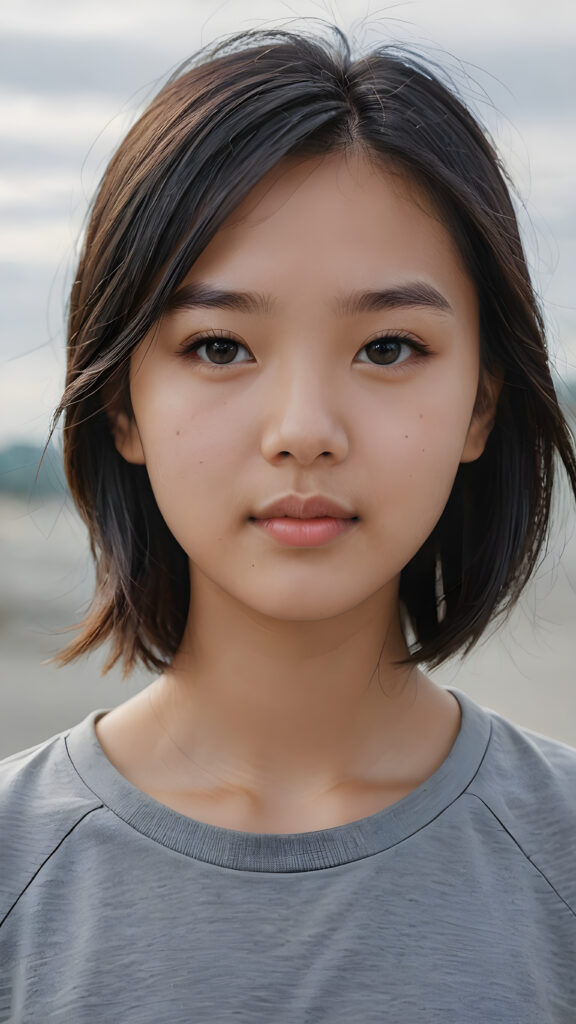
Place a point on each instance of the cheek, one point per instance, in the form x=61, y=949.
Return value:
x=192, y=453
x=424, y=426
x=415, y=457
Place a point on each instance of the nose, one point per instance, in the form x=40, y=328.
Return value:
x=304, y=419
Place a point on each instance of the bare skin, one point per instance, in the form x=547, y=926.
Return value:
x=284, y=710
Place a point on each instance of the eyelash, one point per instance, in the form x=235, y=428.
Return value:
x=190, y=350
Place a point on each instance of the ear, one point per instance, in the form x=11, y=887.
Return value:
x=127, y=438
x=483, y=416
x=121, y=423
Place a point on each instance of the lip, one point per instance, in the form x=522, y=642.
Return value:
x=313, y=506
x=305, y=533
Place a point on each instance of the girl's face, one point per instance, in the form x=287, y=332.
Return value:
x=307, y=388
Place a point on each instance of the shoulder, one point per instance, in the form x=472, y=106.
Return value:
x=528, y=782
x=529, y=768
x=42, y=799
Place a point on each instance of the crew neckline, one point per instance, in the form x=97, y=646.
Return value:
x=283, y=852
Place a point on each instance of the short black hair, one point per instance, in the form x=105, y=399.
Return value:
x=220, y=123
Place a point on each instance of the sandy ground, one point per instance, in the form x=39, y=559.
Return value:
x=526, y=671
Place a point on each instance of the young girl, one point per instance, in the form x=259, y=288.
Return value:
x=310, y=425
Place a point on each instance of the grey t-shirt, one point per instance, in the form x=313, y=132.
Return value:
x=456, y=905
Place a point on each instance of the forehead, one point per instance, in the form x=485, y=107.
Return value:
x=338, y=222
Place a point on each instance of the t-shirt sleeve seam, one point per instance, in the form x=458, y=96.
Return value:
x=79, y=776
x=46, y=859
x=524, y=854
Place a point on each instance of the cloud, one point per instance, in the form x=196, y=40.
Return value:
x=81, y=66
x=31, y=118
x=47, y=240
x=30, y=390
x=516, y=21
x=33, y=298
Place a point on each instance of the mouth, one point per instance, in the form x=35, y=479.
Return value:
x=307, y=519
x=297, y=531
x=305, y=507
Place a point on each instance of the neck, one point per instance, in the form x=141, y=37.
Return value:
x=288, y=707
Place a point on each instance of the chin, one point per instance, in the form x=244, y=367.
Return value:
x=303, y=602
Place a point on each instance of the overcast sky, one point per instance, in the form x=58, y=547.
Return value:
x=73, y=76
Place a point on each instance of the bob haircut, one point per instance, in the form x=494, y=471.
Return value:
x=220, y=123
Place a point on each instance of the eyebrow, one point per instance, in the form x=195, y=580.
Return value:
x=402, y=296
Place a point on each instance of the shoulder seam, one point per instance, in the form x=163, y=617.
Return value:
x=46, y=859
x=523, y=852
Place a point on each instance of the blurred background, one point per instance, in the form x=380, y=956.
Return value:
x=73, y=77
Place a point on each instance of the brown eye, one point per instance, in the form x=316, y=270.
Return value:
x=394, y=350
x=216, y=351
x=221, y=350
x=384, y=351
